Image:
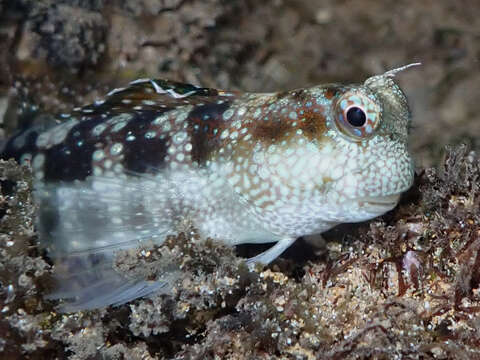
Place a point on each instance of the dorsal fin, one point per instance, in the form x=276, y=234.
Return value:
x=149, y=94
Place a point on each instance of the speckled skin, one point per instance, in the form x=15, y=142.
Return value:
x=240, y=167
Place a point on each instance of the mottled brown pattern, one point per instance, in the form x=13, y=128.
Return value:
x=314, y=125
x=331, y=92
x=300, y=95
x=271, y=131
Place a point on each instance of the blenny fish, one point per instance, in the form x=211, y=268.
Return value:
x=241, y=167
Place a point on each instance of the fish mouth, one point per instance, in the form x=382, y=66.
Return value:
x=385, y=202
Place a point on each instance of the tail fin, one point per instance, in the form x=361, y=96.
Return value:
x=85, y=225
x=90, y=281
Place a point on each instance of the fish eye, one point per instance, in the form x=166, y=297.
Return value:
x=357, y=115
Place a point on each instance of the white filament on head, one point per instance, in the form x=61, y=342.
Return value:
x=393, y=72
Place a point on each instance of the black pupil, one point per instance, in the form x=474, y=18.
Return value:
x=356, y=116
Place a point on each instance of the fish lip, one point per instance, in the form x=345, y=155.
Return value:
x=385, y=201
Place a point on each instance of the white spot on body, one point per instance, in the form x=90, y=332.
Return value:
x=107, y=164
x=98, y=129
x=118, y=168
x=180, y=157
x=179, y=137
x=257, y=113
x=336, y=173
x=182, y=116
x=97, y=171
x=98, y=155
x=228, y=114
x=160, y=120
x=116, y=149
x=242, y=111
x=224, y=134
x=38, y=161
x=150, y=134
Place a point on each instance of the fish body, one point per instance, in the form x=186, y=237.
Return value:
x=240, y=167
